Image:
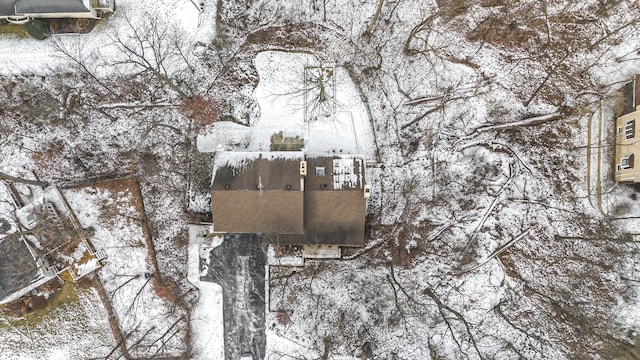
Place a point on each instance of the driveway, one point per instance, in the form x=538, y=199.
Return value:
x=238, y=265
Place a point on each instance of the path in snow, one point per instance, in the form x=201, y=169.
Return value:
x=594, y=159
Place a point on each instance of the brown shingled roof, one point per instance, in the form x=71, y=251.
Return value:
x=330, y=210
x=275, y=172
x=244, y=211
x=334, y=217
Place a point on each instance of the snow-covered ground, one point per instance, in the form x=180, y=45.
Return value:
x=342, y=125
x=432, y=73
x=23, y=56
x=152, y=324
x=207, y=325
x=148, y=319
x=77, y=323
x=73, y=321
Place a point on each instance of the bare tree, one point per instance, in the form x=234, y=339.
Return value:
x=148, y=46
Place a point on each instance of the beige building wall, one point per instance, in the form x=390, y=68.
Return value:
x=627, y=148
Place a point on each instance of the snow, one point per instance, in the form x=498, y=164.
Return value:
x=139, y=309
x=273, y=260
x=235, y=159
x=283, y=346
x=117, y=231
x=281, y=97
x=449, y=196
x=344, y=174
x=88, y=267
x=28, y=56
x=65, y=332
x=207, y=326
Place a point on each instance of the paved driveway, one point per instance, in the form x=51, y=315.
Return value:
x=238, y=265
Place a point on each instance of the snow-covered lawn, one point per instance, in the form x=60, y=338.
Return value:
x=340, y=124
x=153, y=324
x=74, y=323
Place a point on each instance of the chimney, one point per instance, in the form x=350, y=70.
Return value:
x=303, y=168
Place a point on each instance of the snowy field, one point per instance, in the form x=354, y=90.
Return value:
x=76, y=322
x=344, y=127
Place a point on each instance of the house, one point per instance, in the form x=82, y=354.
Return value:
x=40, y=240
x=627, y=142
x=315, y=202
x=21, y=11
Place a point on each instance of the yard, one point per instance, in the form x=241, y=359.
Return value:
x=289, y=103
x=146, y=314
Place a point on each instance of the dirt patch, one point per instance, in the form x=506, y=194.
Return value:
x=452, y=8
x=114, y=186
x=71, y=26
x=509, y=266
x=167, y=290
x=7, y=28
x=294, y=37
x=499, y=30
x=515, y=27
x=282, y=317
x=123, y=195
x=33, y=306
x=47, y=159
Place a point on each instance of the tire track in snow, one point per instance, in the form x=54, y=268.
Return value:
x=595, y=179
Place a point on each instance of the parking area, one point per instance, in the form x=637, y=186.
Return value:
x=238, y=265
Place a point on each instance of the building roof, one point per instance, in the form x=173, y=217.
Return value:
x=334, y=217
x=247, y=170
x=266, y=193
x=17, y=267
x=51, y=6
x=334, y=203
x=7, y=7
x=249, y=212
x=334, y=172
x=258, y=192
x=631, y=96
